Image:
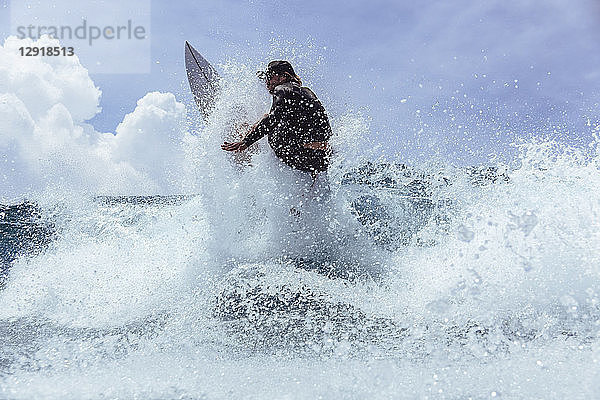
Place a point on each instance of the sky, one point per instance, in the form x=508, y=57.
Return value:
x=461, y=80
x=400, y=63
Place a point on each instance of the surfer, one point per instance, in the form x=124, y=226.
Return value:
x=297, y=126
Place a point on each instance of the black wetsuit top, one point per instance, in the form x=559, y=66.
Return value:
x=297, y=117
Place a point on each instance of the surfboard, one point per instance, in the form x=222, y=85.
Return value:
x=205, y=86
x=203, y=79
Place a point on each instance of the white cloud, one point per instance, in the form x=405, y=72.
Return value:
x=41, y=82
x=45, y=143
x=153, y=131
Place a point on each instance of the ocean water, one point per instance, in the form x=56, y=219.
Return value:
x=462, y=288
x=378, y=280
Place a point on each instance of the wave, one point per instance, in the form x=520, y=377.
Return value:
x=382, y=279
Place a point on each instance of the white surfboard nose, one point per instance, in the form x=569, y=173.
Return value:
x=203, y=79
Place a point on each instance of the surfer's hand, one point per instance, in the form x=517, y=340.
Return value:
x=237, y=146
x=317, y=145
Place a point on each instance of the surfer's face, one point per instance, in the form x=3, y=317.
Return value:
x=273, y=81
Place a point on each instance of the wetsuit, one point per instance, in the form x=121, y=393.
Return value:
x=297, y=117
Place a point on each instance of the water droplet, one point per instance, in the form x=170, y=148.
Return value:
x=464, y=234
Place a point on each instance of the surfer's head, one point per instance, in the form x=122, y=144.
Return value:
x=278, y=72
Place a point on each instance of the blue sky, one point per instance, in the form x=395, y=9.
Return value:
x=461, y=79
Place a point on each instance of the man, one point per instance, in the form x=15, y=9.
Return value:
x=297, y=125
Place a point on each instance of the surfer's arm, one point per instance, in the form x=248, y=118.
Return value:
x=257, y=131
x=260, y=129
x=268, y=122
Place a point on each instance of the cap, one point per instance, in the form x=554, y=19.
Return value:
x=278, y=67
